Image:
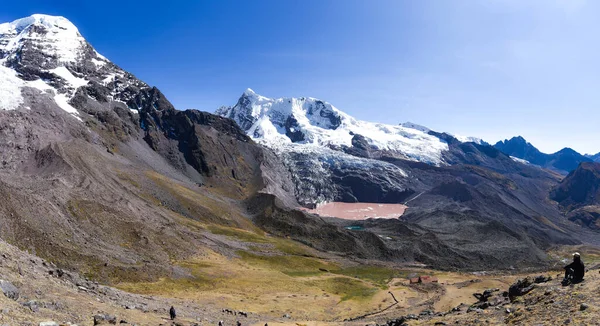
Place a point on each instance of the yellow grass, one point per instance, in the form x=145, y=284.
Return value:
x=272, y=285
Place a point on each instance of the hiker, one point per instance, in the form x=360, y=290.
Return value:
x=574, y=271
x=172, y=313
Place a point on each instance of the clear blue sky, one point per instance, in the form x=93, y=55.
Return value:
x=491, y=69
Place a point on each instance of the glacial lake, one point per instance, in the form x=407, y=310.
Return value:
x=359, y=211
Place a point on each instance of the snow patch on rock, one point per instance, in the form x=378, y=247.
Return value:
x=10, y=89
x=97, y=62
x=415, y=126
x=63, y=102
x=520, y=160
x=65, y=74
x=467, y=139
x=40, y=85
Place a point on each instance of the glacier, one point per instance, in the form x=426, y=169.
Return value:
x=290, y=122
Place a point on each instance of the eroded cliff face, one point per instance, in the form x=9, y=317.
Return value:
x=578, y=194
x=215, y=147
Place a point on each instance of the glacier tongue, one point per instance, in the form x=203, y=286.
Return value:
x=309, y=121
x=10, y=89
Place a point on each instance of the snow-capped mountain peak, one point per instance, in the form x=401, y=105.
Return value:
x=250, y=92
x=54, y=36
x=307, y=121
x=47, y=53
x=53, y=23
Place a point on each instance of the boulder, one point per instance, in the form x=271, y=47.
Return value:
x=397, y=322
x=48, y=323
x=9, y=290
x=105, y=320
x=32, y=305
x=484, y=297
x=521, y=287
x=474, y=309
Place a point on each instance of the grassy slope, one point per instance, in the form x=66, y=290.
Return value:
x=275, y=276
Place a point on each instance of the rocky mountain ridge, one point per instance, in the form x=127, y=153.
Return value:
x=332, y=155
x=563, y=161
x=595, y=157
x=579, y=195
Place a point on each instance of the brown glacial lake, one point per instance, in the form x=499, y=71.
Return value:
x=359, y=211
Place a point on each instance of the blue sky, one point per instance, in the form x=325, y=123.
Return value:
x=491, y=69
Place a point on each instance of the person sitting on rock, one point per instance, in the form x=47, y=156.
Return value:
x=575, y=271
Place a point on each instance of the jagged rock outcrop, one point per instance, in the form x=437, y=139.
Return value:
x=580, y=188
x=579, y=195
x=214, y=146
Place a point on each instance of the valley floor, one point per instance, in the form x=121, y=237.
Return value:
x=297, y=290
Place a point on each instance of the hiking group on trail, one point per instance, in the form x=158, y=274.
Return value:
x=575, y=271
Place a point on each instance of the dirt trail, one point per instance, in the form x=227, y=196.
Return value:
x=415, y=197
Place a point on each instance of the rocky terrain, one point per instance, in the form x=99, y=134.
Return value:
x=531, y=300
x=107, y=189
x=579, y=195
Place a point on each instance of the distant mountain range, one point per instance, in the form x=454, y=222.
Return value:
x=563, y=161
x=295, y=123
x=595, y=157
